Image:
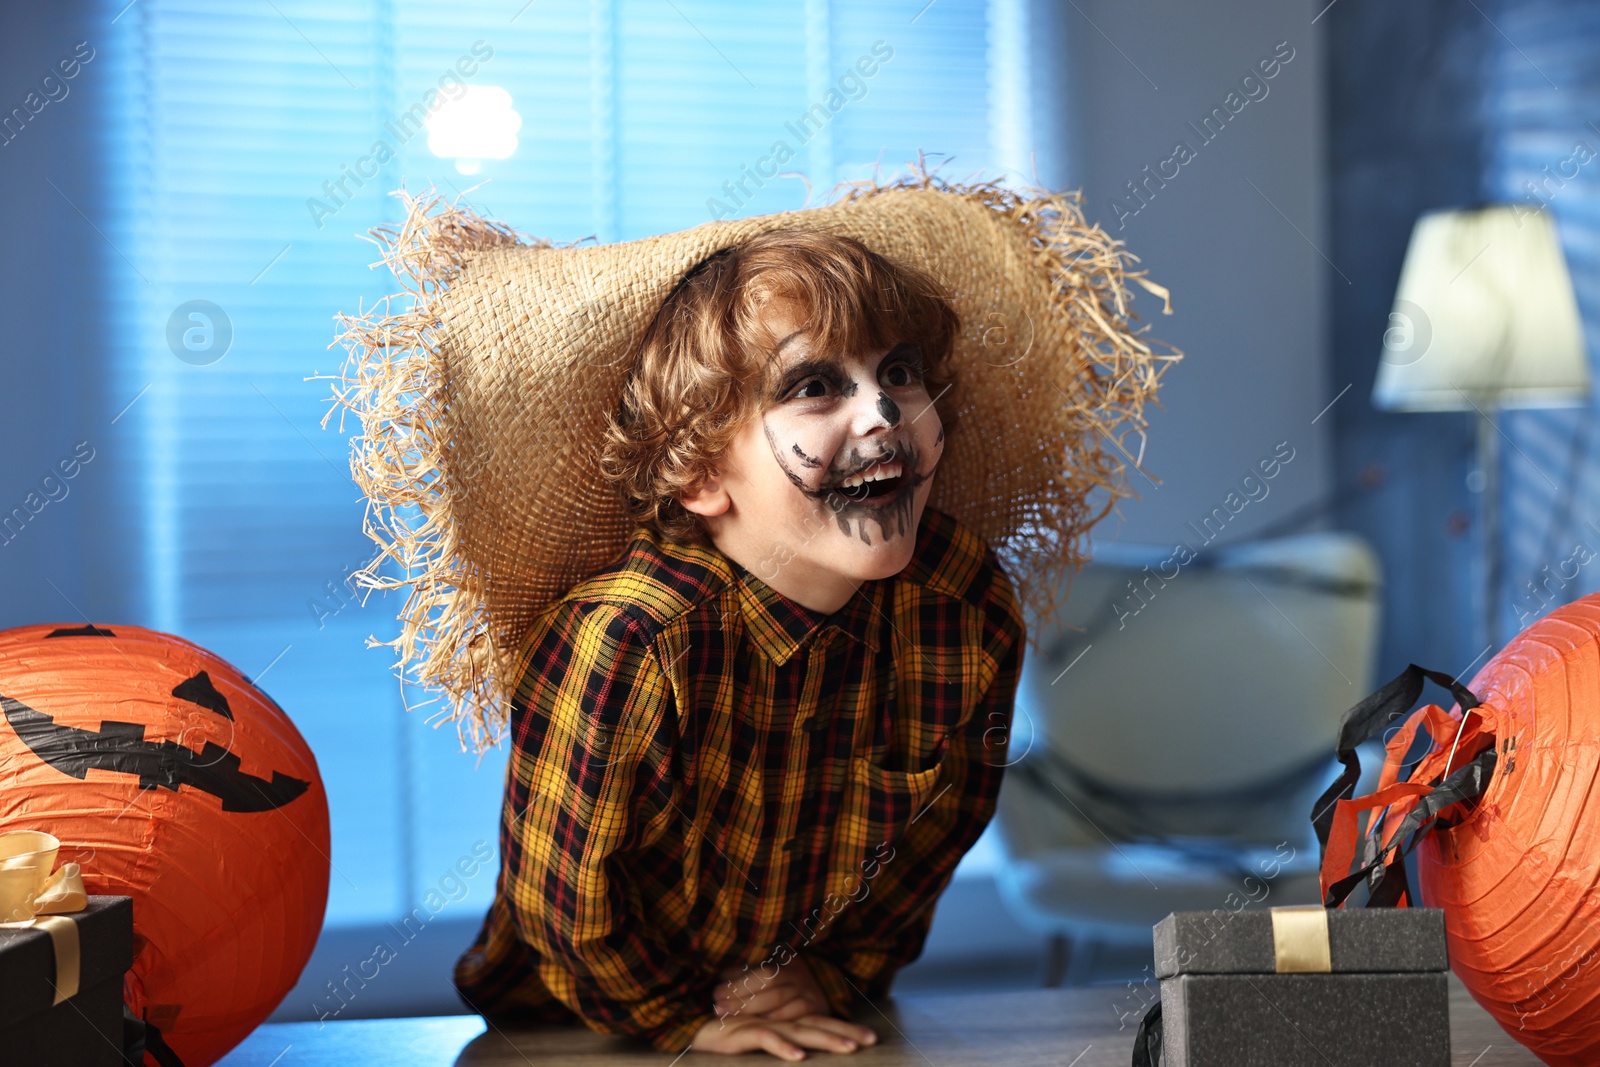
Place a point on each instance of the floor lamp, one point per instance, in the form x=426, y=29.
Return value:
x=1484, y=318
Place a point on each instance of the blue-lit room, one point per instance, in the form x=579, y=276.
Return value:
x=457, y=606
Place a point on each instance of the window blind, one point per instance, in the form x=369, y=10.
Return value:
x=254, y=143
x=1544, y=152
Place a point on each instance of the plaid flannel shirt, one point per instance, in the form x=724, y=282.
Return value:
x=705, y=773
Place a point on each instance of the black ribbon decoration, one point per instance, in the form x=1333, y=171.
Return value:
x=1365, y=721
x=140, y=1036
x=1387, y=878
x=1383, y=869
x=1147, y=1041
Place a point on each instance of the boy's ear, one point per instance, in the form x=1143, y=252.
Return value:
x=710, y=499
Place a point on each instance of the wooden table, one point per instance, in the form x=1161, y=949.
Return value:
x=1034, y=1028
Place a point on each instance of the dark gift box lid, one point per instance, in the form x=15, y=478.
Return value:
x=1244, y=941
x=28, y=957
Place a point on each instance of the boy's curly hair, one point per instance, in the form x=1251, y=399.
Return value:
x=705, y=362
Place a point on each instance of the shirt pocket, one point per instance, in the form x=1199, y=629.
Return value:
x=880, y=804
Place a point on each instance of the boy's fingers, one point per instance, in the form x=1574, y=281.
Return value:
x=788, y=1040
x=861, y=1035
x=799, y=1007
x=759, y=1004
x=774, y=1042
x=781, y=1003
x=794, y=1009
x=805, y=1032
x=747, y=1037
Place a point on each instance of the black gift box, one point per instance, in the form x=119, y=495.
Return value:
x=84, y=1030
x=1226, y=1003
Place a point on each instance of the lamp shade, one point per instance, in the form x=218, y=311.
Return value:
x=1484, y=316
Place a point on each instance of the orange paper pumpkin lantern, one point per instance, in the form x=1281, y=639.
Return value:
x=1514, y=865
x=169, y=777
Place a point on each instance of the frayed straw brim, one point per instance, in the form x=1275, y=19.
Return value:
x=482, y=402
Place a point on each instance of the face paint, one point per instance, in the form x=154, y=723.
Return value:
x=807, y=460
x=827, y=370
x=799, y=440
x=852, y=509
x=888, y=409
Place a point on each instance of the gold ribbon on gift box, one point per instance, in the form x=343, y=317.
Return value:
x=33, y=893
x=1300, y=939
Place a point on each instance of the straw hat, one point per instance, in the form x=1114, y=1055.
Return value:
x=482, y=401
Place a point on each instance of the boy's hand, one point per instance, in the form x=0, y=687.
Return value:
x=783, y=1038
x=790, y=994
x=779, y=1015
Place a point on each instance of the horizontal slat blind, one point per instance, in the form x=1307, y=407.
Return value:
x=248, y=141
x=1540, y=105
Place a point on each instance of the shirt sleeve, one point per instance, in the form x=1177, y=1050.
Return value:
x=883, y=930
x=590, y=788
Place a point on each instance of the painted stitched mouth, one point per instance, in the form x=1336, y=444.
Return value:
x=877, y=489
x=873, y=490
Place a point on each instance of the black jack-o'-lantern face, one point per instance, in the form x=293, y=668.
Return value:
x=121, y=746
x=170, y=777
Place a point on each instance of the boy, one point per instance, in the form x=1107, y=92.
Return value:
x=748, y=754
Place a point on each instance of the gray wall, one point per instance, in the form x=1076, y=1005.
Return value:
x=1248, y=281
x=52, y=564
x=1408, y=135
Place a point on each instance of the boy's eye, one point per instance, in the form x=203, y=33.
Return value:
x=903, y=366
x=816, y=385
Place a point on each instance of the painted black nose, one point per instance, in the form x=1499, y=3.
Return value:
x=889, y=410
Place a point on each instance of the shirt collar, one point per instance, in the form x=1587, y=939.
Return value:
x=779, y=626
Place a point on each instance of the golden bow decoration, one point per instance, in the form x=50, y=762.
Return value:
x=1300, y=939
x=33, y=893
